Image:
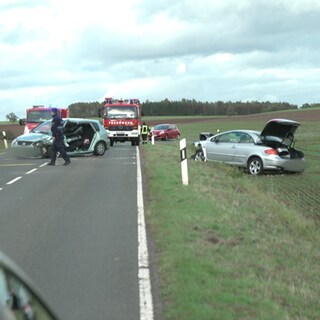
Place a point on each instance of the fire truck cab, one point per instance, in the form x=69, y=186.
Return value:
x=38, y=114
x=122, y=120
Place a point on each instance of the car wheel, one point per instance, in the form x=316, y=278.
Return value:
x=199, y=156
x=99, y=148
x=255, y=166
x=48, y=153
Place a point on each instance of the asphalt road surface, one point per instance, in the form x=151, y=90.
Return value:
x=73, y=230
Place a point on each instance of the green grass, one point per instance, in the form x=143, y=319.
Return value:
x=233, y=246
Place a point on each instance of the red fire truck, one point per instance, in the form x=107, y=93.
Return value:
x=38, y=114
x=122, y=120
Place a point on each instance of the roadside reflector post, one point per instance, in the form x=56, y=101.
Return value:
x=5, y=139
x=152, y=139
x=184, y=163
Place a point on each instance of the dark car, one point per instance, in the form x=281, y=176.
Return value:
x=271, y=149
x=164, y=132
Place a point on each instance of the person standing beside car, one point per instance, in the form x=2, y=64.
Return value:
x=144, y=133
x=57, y=137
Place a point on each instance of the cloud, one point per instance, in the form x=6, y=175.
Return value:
x=63, y=52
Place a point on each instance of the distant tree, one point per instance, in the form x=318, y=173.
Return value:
x=12, y=117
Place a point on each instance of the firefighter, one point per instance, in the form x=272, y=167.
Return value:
x=144, y=133
x=57, y=137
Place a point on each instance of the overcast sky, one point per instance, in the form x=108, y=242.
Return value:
x=57, y=52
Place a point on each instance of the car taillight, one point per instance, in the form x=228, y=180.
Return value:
x=271, y=152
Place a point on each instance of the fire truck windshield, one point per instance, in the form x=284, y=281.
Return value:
x=38, y=116
x=120, y=112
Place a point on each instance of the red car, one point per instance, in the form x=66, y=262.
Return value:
x=164, y=132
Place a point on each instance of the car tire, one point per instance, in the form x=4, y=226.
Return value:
x=99, y=148
x=47, y=154
x=199, y=156
x=255, y=166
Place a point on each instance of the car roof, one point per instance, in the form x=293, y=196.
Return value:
x=240, y=130
x=80, y=120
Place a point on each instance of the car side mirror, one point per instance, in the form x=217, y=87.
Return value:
x=22, y=122
x=19, y=299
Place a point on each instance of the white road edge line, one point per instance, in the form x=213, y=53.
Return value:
x=33, y=170
x=14, y=180
x=146, y=304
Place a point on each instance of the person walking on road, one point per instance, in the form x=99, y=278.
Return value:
x=57, y=137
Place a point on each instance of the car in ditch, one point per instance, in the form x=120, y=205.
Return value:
x=271, y=149
x=164, y=132
x=81, y=137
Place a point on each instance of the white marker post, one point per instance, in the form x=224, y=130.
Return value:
x=152, y=139
x=5, y=139
x=184, y=164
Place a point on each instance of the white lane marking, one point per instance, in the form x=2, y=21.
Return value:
x=1, y=189
x=146, y=304
x=14, y=180
x=44, y=164
x=33, y=170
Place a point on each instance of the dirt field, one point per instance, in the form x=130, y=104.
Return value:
x=300, y=116
x=14, y=130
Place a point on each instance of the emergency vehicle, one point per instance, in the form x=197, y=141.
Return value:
x=122, y=120
x=38, y=114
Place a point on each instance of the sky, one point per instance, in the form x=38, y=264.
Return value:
x=58, y=52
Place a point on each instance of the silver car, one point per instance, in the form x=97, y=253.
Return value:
x=81, y=136
x=270, y=149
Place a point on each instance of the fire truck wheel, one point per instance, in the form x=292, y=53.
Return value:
x=100, y=148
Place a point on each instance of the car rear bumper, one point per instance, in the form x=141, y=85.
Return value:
x=293, y=165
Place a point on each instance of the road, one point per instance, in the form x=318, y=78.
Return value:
x=74, y=231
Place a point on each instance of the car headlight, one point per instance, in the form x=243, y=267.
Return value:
x=161, y=132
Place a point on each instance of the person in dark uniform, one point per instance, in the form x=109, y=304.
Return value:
x=57, y=137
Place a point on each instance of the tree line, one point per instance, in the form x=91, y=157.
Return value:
x=183, y=107
x=186, y=108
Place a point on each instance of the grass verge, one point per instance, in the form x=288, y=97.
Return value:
x=228, y=247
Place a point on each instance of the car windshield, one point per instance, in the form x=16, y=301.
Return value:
x=44, y=127
x=120, y=112
x=161, y=127
x=38, y=116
